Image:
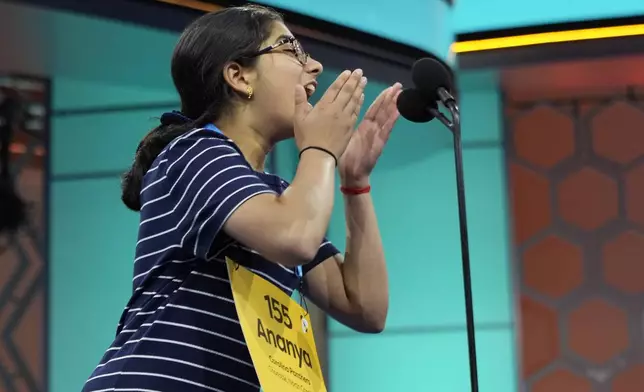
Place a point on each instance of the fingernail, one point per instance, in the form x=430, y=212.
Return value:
x=358, y=71
x=363, y=81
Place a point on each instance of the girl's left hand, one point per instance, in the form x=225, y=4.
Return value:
x=369, y=139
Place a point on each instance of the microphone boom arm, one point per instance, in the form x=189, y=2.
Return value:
x=443, y=118
x=454, y=125
x=449, y=102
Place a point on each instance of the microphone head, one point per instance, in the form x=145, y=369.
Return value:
x=414, y=106
x=429, y=75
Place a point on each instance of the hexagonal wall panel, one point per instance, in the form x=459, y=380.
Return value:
x=629, y=380
x=635, y=194
x=601, y=351
x=544, y=137
x=561, y=380
x=588, y=199
x=539, y=335
x=553, y=267
x=597, y=331
x=623, y=262
x=618, y=134
x=530, y=200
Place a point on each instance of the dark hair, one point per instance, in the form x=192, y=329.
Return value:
x=204, y=48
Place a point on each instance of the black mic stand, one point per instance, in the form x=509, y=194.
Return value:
x=454, y=125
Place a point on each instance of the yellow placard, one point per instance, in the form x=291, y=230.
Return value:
x=278, y=333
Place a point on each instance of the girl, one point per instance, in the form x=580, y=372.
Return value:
x=198, y=182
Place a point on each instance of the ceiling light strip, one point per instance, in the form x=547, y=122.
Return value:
x=547, y=38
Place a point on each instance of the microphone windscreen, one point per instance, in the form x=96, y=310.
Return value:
x=414, y=106
x=429, y=75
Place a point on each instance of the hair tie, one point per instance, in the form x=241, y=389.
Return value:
x=174, y=117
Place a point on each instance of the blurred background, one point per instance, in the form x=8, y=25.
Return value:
x=552, y=100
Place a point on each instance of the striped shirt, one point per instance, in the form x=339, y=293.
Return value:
x=180, y=330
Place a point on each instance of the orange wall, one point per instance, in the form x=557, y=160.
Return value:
x=576, y=171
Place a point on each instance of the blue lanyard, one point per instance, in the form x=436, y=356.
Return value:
x=212, y=127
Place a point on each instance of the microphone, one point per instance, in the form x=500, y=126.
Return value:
x=434, y=81
x=415, y=107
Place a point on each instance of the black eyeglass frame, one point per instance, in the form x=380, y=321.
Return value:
x=298, y=50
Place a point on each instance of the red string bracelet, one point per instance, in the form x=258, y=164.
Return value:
x=355, y=191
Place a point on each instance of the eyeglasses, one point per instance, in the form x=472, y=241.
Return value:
x=295, y=49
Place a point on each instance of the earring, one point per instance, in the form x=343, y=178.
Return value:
x=249, y=92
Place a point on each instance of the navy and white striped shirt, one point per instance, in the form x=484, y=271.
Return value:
x=180, y=330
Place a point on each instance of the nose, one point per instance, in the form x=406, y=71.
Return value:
x=313, y=67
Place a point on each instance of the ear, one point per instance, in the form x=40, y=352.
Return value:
x=238, y=77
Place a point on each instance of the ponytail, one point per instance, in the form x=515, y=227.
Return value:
x=173, y=125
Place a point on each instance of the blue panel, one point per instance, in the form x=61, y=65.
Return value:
x=487, y=215
x=418, y=215
x=77, y=94
x=98, y=142
x=106, y=50
x=421, y=362
x=424, y=24
x=92, y=247
x=502, y=14
x=480, y=103
x=70, y=44
x=286, y=159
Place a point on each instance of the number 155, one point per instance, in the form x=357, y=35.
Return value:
x=278, y=311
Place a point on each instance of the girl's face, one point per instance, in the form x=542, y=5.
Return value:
x=281, y=66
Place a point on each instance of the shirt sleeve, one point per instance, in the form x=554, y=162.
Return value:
x=327, y=249
x=211, y=180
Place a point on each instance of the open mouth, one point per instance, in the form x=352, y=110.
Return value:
x=310, y=89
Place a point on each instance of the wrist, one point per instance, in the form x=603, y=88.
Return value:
x=354, y=182
x=319, y=150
